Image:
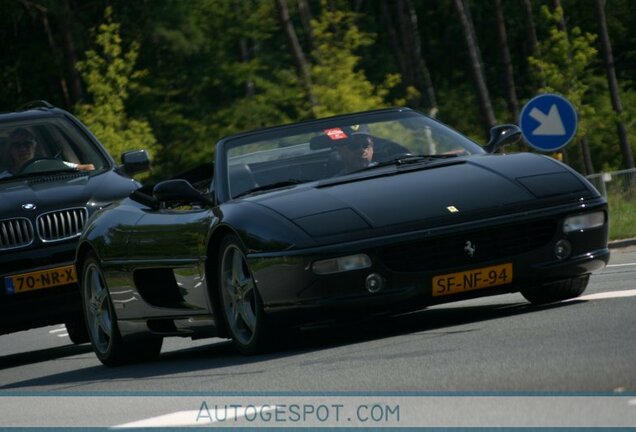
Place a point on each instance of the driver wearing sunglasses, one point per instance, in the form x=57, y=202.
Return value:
x=21, y=150
x=356, y=151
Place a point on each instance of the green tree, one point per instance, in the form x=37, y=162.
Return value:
x=565, y=65
x=109, y=74
x=339, y=84
x=260, y=87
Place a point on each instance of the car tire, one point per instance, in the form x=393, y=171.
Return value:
x=101, y=322
x=77, y=332
x=242, y=306
x=556, y=291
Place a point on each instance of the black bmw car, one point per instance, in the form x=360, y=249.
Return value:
x=53, y=175
x=370, y=213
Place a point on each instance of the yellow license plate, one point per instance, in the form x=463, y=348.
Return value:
x=40, y=279
x=485, y=277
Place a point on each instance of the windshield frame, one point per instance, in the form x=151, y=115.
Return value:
x=225, y=145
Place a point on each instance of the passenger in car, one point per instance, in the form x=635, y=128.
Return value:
x=22, y=147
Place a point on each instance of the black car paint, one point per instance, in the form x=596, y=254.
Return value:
x=47, y=192
x=285, y=230
x=281, y=264
x=374, y=201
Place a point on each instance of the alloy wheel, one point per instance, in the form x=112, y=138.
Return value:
x=99, y=313
x=239, y=295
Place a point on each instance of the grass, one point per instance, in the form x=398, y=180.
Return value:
x=622, y=214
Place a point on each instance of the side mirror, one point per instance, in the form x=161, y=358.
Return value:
x=135, y=161
x=502, y=135
x=179, y=190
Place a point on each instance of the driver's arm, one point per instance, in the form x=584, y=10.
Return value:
x=80, y=167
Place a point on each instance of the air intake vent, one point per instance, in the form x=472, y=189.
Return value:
x=56, y=178
x=490, y=244
x=15, y=233
x=61, y=224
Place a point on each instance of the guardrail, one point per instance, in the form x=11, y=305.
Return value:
x=616, y=181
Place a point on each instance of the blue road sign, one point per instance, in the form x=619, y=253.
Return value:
x=548, y=122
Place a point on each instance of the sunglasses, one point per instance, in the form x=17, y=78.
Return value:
x=23, y=144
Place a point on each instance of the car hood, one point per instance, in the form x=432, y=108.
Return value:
x=49, y=192
x=427, y=195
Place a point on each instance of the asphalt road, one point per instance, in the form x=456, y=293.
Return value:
x=497, y=344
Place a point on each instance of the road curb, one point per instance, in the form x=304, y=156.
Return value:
x=615, y=244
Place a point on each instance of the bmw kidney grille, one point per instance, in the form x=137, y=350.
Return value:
x=61, y=224
x=15, y=233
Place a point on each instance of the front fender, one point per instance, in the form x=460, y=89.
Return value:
x=262, y=229
x=108, y=231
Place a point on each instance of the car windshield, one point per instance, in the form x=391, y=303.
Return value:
x=335, y=147
x=44, y=146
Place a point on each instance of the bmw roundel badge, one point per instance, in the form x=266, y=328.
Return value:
x=28, y=206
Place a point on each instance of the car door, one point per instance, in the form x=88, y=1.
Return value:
x=167, y=252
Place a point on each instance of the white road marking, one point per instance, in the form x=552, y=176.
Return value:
x=606, y=295
x=61, y=329
x=179, y=418
x=195, y=417
x=621, y=265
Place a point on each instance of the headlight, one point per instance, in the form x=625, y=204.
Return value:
x=584, y=221
x=342, y=264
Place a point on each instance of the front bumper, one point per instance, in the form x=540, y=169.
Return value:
x=289, y=287
x=57, y=305
x=40, y=307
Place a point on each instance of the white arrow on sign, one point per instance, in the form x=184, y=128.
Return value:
x=550, y=124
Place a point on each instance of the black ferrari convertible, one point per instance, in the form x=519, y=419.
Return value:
x=371, y=213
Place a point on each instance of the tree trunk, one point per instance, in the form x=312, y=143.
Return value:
x=531, y=32
x=485, y=104
x=406, y=41
x=588, y=167
x=396, y=46
x=75, y=88
x=422, y=74
x=296, y=51
x=504, y=52
x=531, y=35
x=54, y=74
x=62, y=81
x=608, y=59
x=245, y=52
x=305, y=19
x=406, y=49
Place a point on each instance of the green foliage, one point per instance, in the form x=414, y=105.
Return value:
x=216, y=67
x=110, y=75
x=564, y=65
x=339, y=85
x=622, y=210
x=457, y=108
x=602, y=130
